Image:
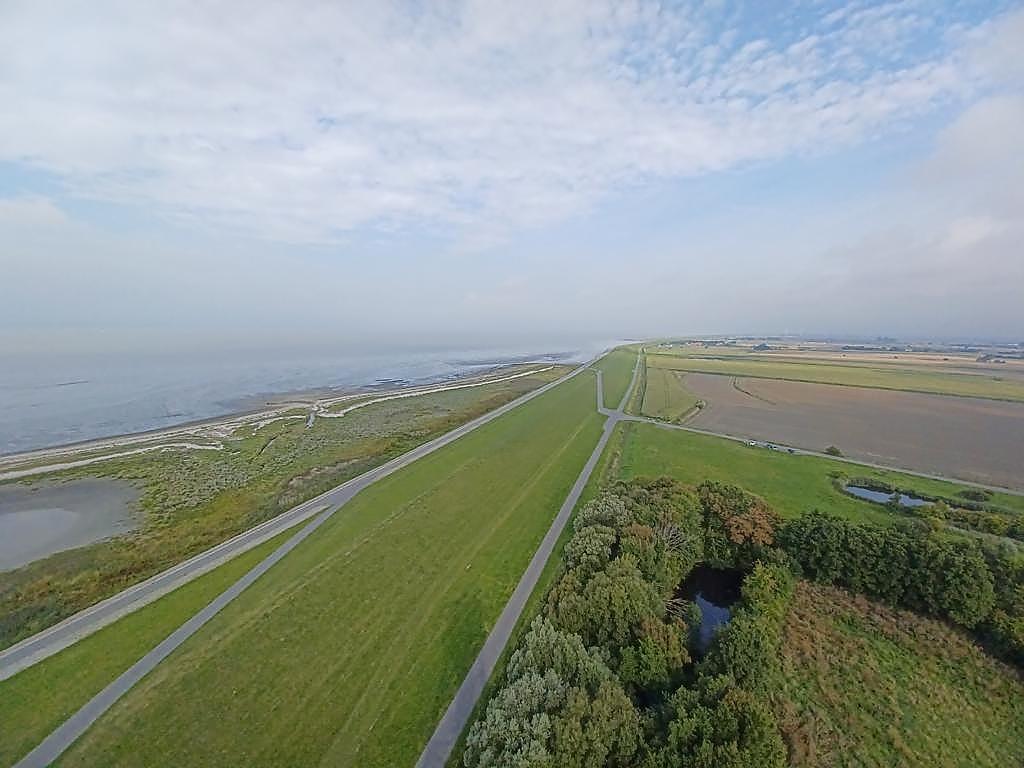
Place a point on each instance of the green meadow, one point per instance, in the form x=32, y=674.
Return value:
x=617, y=370
x=350, y=649
x=38, y=699
x=793, y=484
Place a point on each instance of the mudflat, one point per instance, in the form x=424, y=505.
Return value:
x=41, y=519
x=962, y=437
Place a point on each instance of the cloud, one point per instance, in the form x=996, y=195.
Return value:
x=303, y=123
x=30, y=211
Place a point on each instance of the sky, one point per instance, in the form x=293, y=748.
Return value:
x=198, y=174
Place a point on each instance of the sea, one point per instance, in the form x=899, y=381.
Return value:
x=50, y=401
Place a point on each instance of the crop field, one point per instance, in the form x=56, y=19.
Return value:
x=792, y=484
x=666, y=395
x=195, y=499
x=969, y=438
x=865, y=684
x=349, y=650
x=911, y=379
x=617, y=369
x=38, y=699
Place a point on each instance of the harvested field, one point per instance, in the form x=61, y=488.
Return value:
x=968, y=438
x=906, y=378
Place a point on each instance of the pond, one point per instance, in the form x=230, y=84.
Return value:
x=714, y=591
x=41, y=519
x=881, y=497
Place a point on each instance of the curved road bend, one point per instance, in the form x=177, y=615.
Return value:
x=448, y=730
x=64, y=735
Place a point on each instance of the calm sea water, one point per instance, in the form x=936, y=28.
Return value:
x=46, y=402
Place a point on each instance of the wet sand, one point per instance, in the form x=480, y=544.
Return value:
x=41, y=519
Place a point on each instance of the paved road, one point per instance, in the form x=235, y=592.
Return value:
x=439, y=748
x=62, y=738
x=48, y=642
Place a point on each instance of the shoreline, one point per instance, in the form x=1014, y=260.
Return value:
x=311, y=401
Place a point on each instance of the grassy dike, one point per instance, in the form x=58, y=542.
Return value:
x=38, y=699
x=348, y=652
x=617, y=370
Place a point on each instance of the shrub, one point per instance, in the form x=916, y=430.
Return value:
x=561, y=706
x=914, y=567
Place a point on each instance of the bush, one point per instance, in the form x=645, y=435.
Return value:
x=914, y=568
x=561, y=706
x=739, y=528
x=833, y=451
x=747, y=649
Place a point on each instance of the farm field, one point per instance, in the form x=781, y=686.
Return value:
x=867, y=684
x=392, y=599
x=38, y=699
x=910, y=379
x=617, y=370
x=192, y=500
x=666, y=395
x=792, y=484
x=970, y=438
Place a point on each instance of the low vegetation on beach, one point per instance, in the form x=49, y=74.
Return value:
x=192, y=500
x=349, y=650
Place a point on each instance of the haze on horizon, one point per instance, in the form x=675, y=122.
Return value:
x=196, y=174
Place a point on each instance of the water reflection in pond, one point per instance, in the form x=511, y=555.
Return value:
x=40, y=519
x=714, y=591
x=881, y=497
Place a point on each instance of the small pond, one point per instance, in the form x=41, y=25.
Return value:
x=714, y=591
x=881, y=497
x=41, y=519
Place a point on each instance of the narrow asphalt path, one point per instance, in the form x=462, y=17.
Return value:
x=65, y=735
x=439, y=748
x=58, y=637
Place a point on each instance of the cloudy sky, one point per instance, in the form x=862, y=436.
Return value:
x=197, y=172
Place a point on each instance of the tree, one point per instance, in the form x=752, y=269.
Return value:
x=562, y=706
x=738, y=526
x=590, y=549
x=718, y=725
x=610, y=606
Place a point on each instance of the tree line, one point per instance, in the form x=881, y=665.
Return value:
x=605, y=675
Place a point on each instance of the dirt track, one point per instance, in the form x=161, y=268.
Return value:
x=974, y=439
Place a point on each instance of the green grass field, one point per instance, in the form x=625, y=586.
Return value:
x=349, y=650
x=195, y=499
x=876, y=377
x=792, y=484
x=38, y=699
x=666, y=396
x=865, y=684
x=617, y=368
